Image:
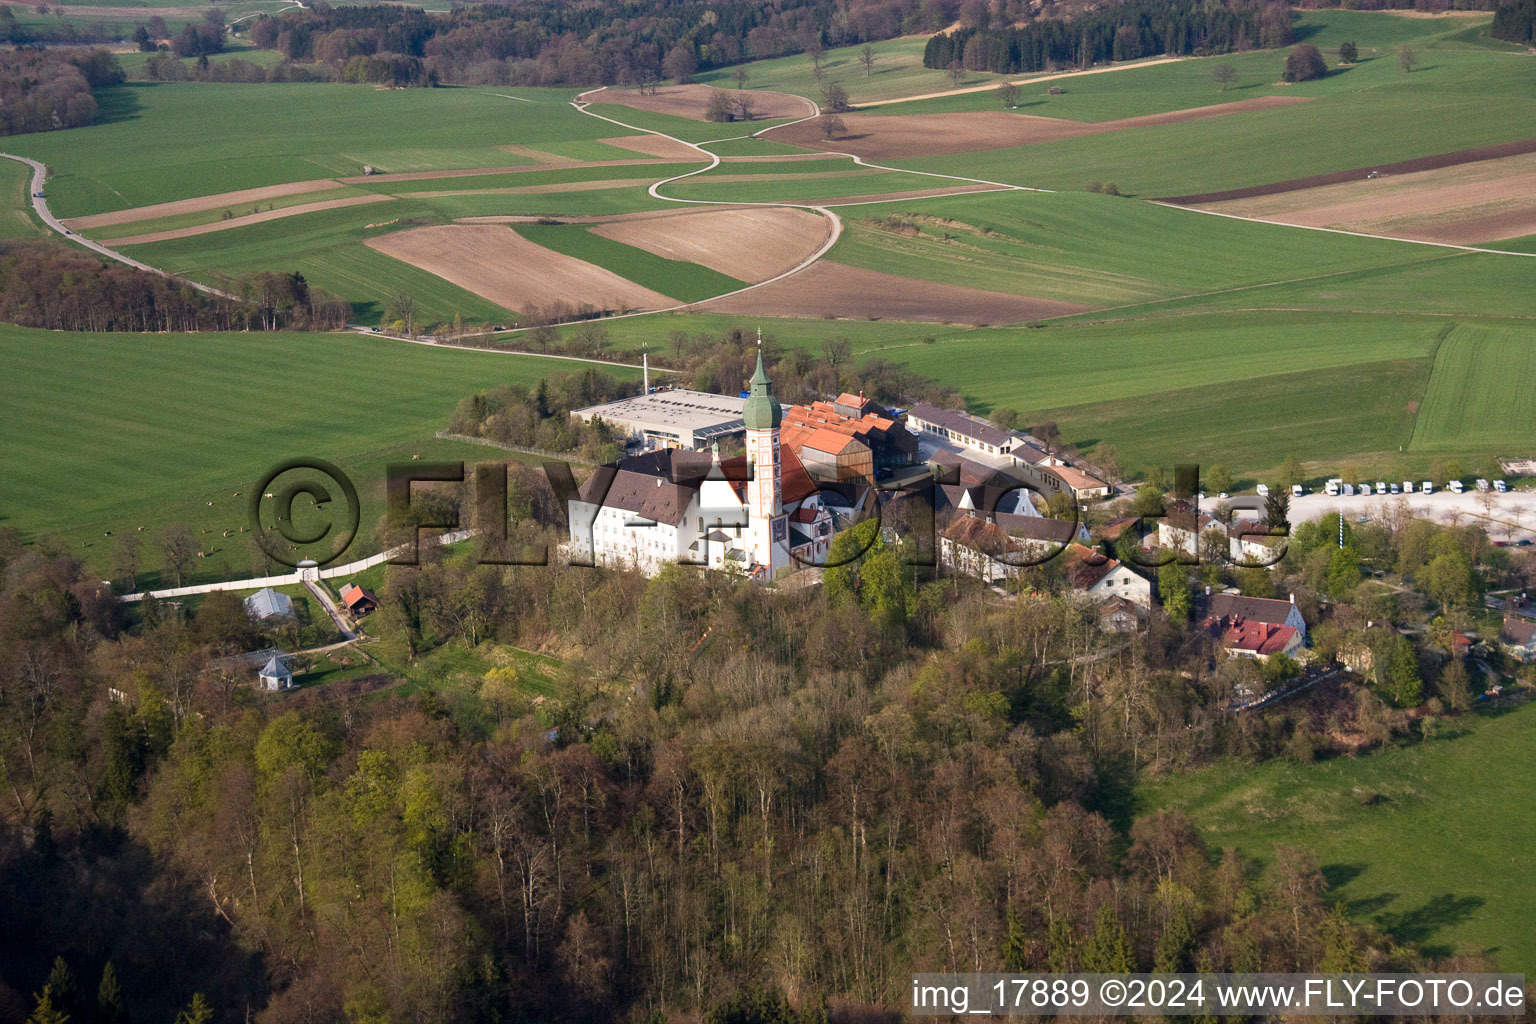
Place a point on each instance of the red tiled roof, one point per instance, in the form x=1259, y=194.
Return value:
x=1238, y=634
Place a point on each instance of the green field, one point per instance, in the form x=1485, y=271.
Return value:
x=687, y=282
x=679, y=127
x=1131, y=91
x=1431, y=841
x=16, y=217
x=1463, y=93
x=90, y=447
x=1097, y=250
x=1482, y=391
x=163, y=141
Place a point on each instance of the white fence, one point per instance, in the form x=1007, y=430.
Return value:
x=256, y=583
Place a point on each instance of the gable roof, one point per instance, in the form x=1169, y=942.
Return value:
x=1085, y=567
x=1519, y=632
x=266, y=603
x=1250, y=636
x=1254, y=609
x=962, y=423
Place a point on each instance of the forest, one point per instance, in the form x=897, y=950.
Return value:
x=1122, y=31
x=42, y=90
x=56, y=286
x=709, y=800
x=547, y=43
x=1515, y=21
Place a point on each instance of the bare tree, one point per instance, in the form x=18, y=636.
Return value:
x=1008, y=94
x=1225, y=74
x=740, y=75
x=125, y=559
x=867, y=57
x=178, y=547
x=745, y=106
x=831, y=126
x=955, y=71
x=834, y=98
x=1407, y=59
x=836, y=350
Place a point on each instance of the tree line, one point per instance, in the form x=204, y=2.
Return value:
x=1122, y=31
x=41, y=90
x=55, y=286
x=1515, y=21
x=547, y=43
x=719, y=801
x=540, y=417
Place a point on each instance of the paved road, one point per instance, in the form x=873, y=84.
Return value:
x=324, y=597
x=40, y=206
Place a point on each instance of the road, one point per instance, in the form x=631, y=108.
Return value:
x=992, y=86
x=324, y=597
x=40, y=207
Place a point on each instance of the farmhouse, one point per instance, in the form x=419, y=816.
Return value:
x=1245, y=638
x=1257, y=609
x=267, y=604
x=1100, y=578
x=358, y=600
x=757, y=514
x=671, y=418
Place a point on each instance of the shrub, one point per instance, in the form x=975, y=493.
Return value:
x=1304, y=64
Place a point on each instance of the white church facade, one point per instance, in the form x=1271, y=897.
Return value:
x=759, y=515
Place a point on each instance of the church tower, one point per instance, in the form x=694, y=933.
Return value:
x=769, y=527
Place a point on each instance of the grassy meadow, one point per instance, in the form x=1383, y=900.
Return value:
x=1430, y=841
x=90, y=447
x=158, y=142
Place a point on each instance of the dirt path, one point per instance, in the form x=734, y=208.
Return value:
x=992, y=86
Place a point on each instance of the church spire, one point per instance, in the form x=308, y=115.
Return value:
x=762, y=411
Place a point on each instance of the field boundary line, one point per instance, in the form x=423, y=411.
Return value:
x=1341, y=231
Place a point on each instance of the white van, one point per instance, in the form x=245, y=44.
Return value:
x=1482, y=484
x=1331, y=488
x=1263, y=490
x=1407, y=486
x=1501, y=486
x=1365, y=489
x=1428, y=487
x=1455, y=487
x=1297, y=490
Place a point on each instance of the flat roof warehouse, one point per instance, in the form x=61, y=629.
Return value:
x=680, y=417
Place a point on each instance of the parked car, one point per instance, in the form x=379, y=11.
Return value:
x=1263, y=490
x=1365, y=489
x=1482, y=484
x=1381, y=487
